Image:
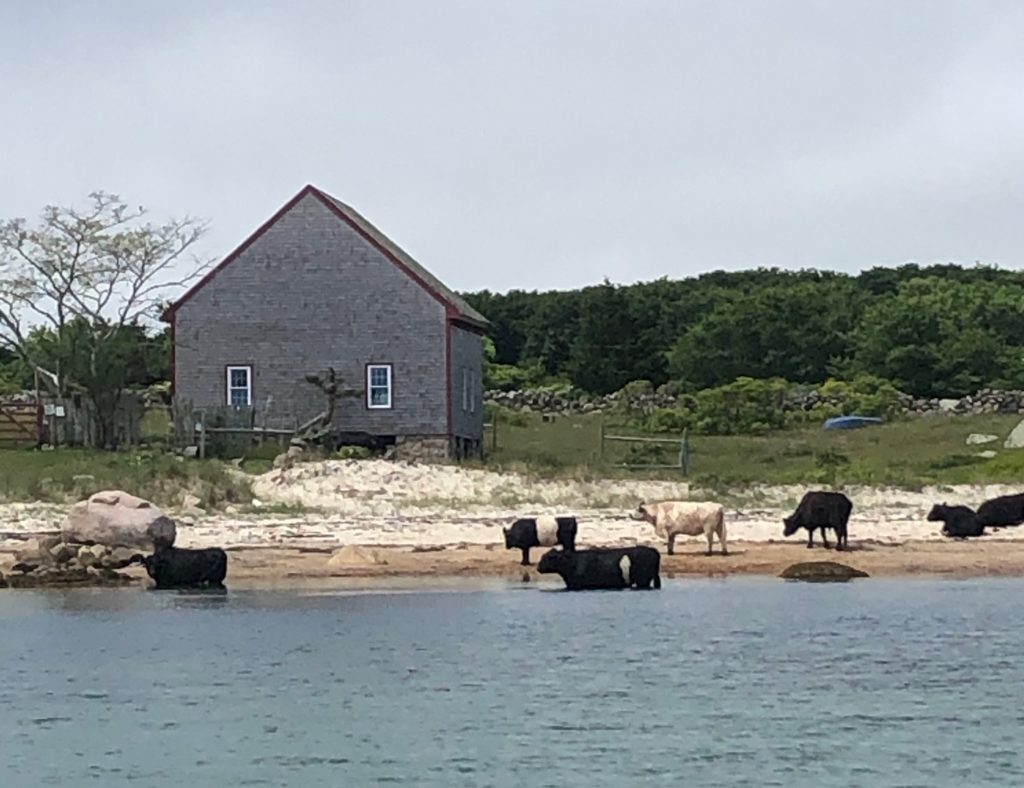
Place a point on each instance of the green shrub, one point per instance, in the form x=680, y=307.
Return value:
x=864, y=395
x=353, y=453
x=747, y=405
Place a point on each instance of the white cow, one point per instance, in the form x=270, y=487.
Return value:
x=691, y=518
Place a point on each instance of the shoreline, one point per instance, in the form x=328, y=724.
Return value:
x=344, y=522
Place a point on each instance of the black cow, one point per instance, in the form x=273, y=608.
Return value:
x=821, y=510
x=958, y=522
x=604, y=567
x=530, y=532
x=176, y=567
x=1002, y=511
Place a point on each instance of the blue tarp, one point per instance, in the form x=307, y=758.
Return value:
x=851, y=422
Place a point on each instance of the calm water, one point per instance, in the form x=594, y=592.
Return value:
x=706, y=683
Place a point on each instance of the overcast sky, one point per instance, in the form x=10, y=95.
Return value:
x=540, y=145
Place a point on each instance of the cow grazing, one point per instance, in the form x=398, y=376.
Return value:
x=690, y=518
x=176, y=567
x=958, y=522
x=530, y=532
x=1002, y=511
x=604, y=568
x=821, y=510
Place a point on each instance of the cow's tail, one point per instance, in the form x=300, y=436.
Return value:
x=720, y=527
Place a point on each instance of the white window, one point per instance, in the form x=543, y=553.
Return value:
x=378, y=386
x=239, y=386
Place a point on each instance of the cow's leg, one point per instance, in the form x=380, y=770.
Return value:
x=526, y=556
x=711, y=539
x=671, y=544
x=824, y=538
x=810, y=538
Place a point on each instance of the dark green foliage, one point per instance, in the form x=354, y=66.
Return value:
x=938, y=330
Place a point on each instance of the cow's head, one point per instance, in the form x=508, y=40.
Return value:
x=790, y=525
x=552, y=562
x=938, y=512
x=641, y=513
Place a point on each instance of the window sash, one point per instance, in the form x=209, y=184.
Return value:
x=378, y=386
x=239, y=386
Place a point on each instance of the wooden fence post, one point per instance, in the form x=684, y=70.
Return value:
x=600, y=451
x=494, y=431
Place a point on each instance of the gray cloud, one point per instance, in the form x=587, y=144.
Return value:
x=541, y=144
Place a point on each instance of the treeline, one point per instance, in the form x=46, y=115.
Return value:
x=933, y=331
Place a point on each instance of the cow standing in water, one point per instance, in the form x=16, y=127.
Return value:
x=545, y=531
x=604, y=568
x=821, y=510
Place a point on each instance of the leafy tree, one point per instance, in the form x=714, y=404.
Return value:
x=75, y=287
x=936, y=337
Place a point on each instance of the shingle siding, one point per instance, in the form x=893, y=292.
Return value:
x=309, y=293
x=467, y=359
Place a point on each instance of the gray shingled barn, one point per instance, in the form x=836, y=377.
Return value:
x=318, y=286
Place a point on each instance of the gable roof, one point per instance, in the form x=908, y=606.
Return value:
x=456, y=306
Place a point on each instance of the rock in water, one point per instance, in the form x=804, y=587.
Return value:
x=117, y=519
x=821, y=572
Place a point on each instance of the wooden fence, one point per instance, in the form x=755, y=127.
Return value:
x=68, y=421
x=20, y=424
x=222, y=431
x=682, y=443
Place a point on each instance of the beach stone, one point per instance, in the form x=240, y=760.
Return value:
x=353, y=555
x=116, y=518
x=33, y=552
x=821, y=572
x=977, y=438
x=988, y=455
x=119, y=558
x=64, y=552
x=1015, y=440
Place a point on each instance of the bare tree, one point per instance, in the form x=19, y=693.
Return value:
x=80, y=276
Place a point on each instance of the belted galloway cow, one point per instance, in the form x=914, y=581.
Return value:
x=690, y=518
x=528, y=532
x=822, y=510
x=604, y=568
x=958, y=522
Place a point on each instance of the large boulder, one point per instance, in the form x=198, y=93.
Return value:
x=1015, y=440
x=117, y=519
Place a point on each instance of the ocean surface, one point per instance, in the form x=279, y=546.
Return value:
x=736, y=682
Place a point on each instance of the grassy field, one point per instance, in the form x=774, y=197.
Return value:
x=906, y=454
x=72, y=474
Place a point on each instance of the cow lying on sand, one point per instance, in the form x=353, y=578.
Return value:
x=958, y=522
x=690, y=518
x=821, y=510
x=176, y=567
x=530, y=532
x=1005, y=510
x=604, y=568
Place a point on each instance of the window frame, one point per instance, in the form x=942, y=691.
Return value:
x=370, y=368
x=473, y=388
x=466, y=394
x=228, y=388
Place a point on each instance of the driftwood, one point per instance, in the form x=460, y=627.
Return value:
x=317, y=431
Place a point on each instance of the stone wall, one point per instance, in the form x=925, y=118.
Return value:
x=547, y=402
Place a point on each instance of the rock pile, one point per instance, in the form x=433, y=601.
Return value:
x=574, y=402
x=53, y=562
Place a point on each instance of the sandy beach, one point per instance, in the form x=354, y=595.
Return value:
x=338, y=521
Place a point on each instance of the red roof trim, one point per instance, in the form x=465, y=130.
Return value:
x=451, y=312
